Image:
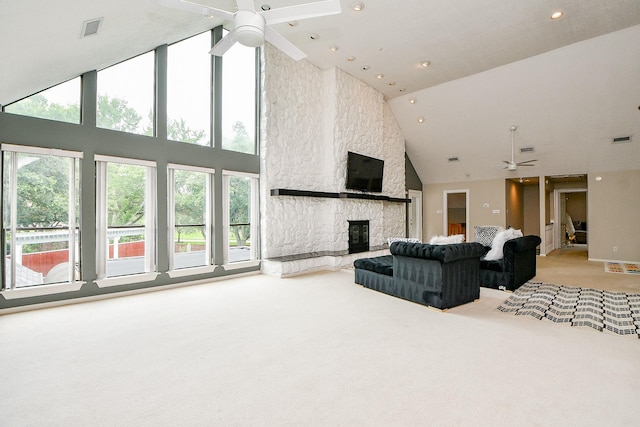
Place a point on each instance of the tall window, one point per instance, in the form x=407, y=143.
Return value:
x=61, y=102
x=239, y=99
x=125, y=216
x=241, y=216
x=188, y=94
x=190, y=216
x=40, y=216
x=126, y=96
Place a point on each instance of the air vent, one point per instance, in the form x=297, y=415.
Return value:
x=91, y=27
x=621, y=139
x=454, y=159
x=527, y=150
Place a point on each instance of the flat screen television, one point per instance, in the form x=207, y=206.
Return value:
x=364, y=173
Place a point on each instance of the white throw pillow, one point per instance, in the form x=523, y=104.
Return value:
x=446, y=240
x=497, y=245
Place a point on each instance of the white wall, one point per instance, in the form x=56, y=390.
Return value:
x=311, y=119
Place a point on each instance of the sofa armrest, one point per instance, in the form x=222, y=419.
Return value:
x=442, y=253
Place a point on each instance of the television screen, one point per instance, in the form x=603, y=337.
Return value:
x=364, y=173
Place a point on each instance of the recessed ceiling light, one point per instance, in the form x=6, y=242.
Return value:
x=293, y=23
x=358, y=6
x=366, y=67
x=265, y=7
x=557, y=14
x=379, y=76
x=403, y=89
x=351, y=58
x=412, y=100
x=425, y=64
x=420, y=119
x=314, y=36
x=392, y=83
x=334, y=48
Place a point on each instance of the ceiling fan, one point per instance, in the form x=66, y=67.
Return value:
x=513, y=165
x=251, y=26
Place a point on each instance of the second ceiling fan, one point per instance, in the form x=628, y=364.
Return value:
x=251, y=25
x=513, y=165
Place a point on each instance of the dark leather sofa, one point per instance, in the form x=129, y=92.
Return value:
x=516, y=267
x=441, y=276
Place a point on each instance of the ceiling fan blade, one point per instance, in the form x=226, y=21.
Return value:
x=527, y=161
x=196, y=8
x=506, y=161
x=302, y=11
x=245, y=5
x=524, y=164
x=283, y=44
x=224, y=44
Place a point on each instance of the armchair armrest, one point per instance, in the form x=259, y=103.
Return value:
x=442, y=253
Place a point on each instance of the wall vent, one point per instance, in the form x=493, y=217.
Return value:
x=454, y=159
x=621, y=139
x=527, y=150
x=91, y=27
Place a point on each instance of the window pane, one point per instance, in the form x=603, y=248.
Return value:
x=239, y=218
x=44, y=215
x=126, y=96
x=126, y=186
x=191, y=234
x=61, y=103
x=188, y=90
x=239, y=99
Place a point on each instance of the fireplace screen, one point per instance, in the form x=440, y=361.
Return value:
x=358, y=236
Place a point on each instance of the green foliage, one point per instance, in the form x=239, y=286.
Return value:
x=239, y=193
x=43, y=191
x=115, y=113
x=242, y=142
x=39, y=106
x=126, y=194
x=190, y=199
x=177, y=130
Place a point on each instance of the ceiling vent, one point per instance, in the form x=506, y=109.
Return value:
x=621, y=139
x=454, y=159
x=91, y=27
x=527, y=150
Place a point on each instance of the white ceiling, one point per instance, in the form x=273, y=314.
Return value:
x=40, y=43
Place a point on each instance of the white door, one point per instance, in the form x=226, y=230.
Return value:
x=414, y=215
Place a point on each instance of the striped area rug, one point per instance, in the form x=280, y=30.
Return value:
x=605, y=311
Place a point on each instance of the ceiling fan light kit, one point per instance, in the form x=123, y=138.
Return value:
x=249, y=28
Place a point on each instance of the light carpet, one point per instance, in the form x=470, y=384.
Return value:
x=615, y=312
x=622, y=267
x=315, y=350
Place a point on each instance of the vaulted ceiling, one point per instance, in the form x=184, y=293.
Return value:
x=41, y=43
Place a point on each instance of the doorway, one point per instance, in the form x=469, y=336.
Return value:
x=456, y=212
x=414, y=215
x=571, y=217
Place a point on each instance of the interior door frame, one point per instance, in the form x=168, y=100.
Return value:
x=445, y=212
x=560, y=209
x=416, y=207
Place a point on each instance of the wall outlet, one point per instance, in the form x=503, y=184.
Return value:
x=615, y=249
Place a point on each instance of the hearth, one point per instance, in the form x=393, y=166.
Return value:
x=358, y=236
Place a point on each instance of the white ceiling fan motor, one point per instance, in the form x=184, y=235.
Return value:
x=249, y=28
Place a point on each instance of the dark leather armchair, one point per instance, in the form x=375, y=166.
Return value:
x=516, y=267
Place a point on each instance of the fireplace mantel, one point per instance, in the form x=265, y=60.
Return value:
x=344, y=195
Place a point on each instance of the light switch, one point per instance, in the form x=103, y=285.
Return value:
x=496, y=211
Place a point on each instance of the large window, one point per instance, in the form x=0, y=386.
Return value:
x=61, y=103
x=40, y=216
x=125, y=216
x=188, y=94
x=241, y=217
x=126, y=96
x=190, y=204
x=239, y=99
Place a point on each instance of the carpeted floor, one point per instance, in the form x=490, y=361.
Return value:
x=616, y=312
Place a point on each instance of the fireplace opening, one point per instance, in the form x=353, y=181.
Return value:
x=358, y=236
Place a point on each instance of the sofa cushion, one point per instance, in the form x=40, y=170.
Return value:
x=442, y=253
x=491, y=265
x=381, y=264
x=484, y=234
